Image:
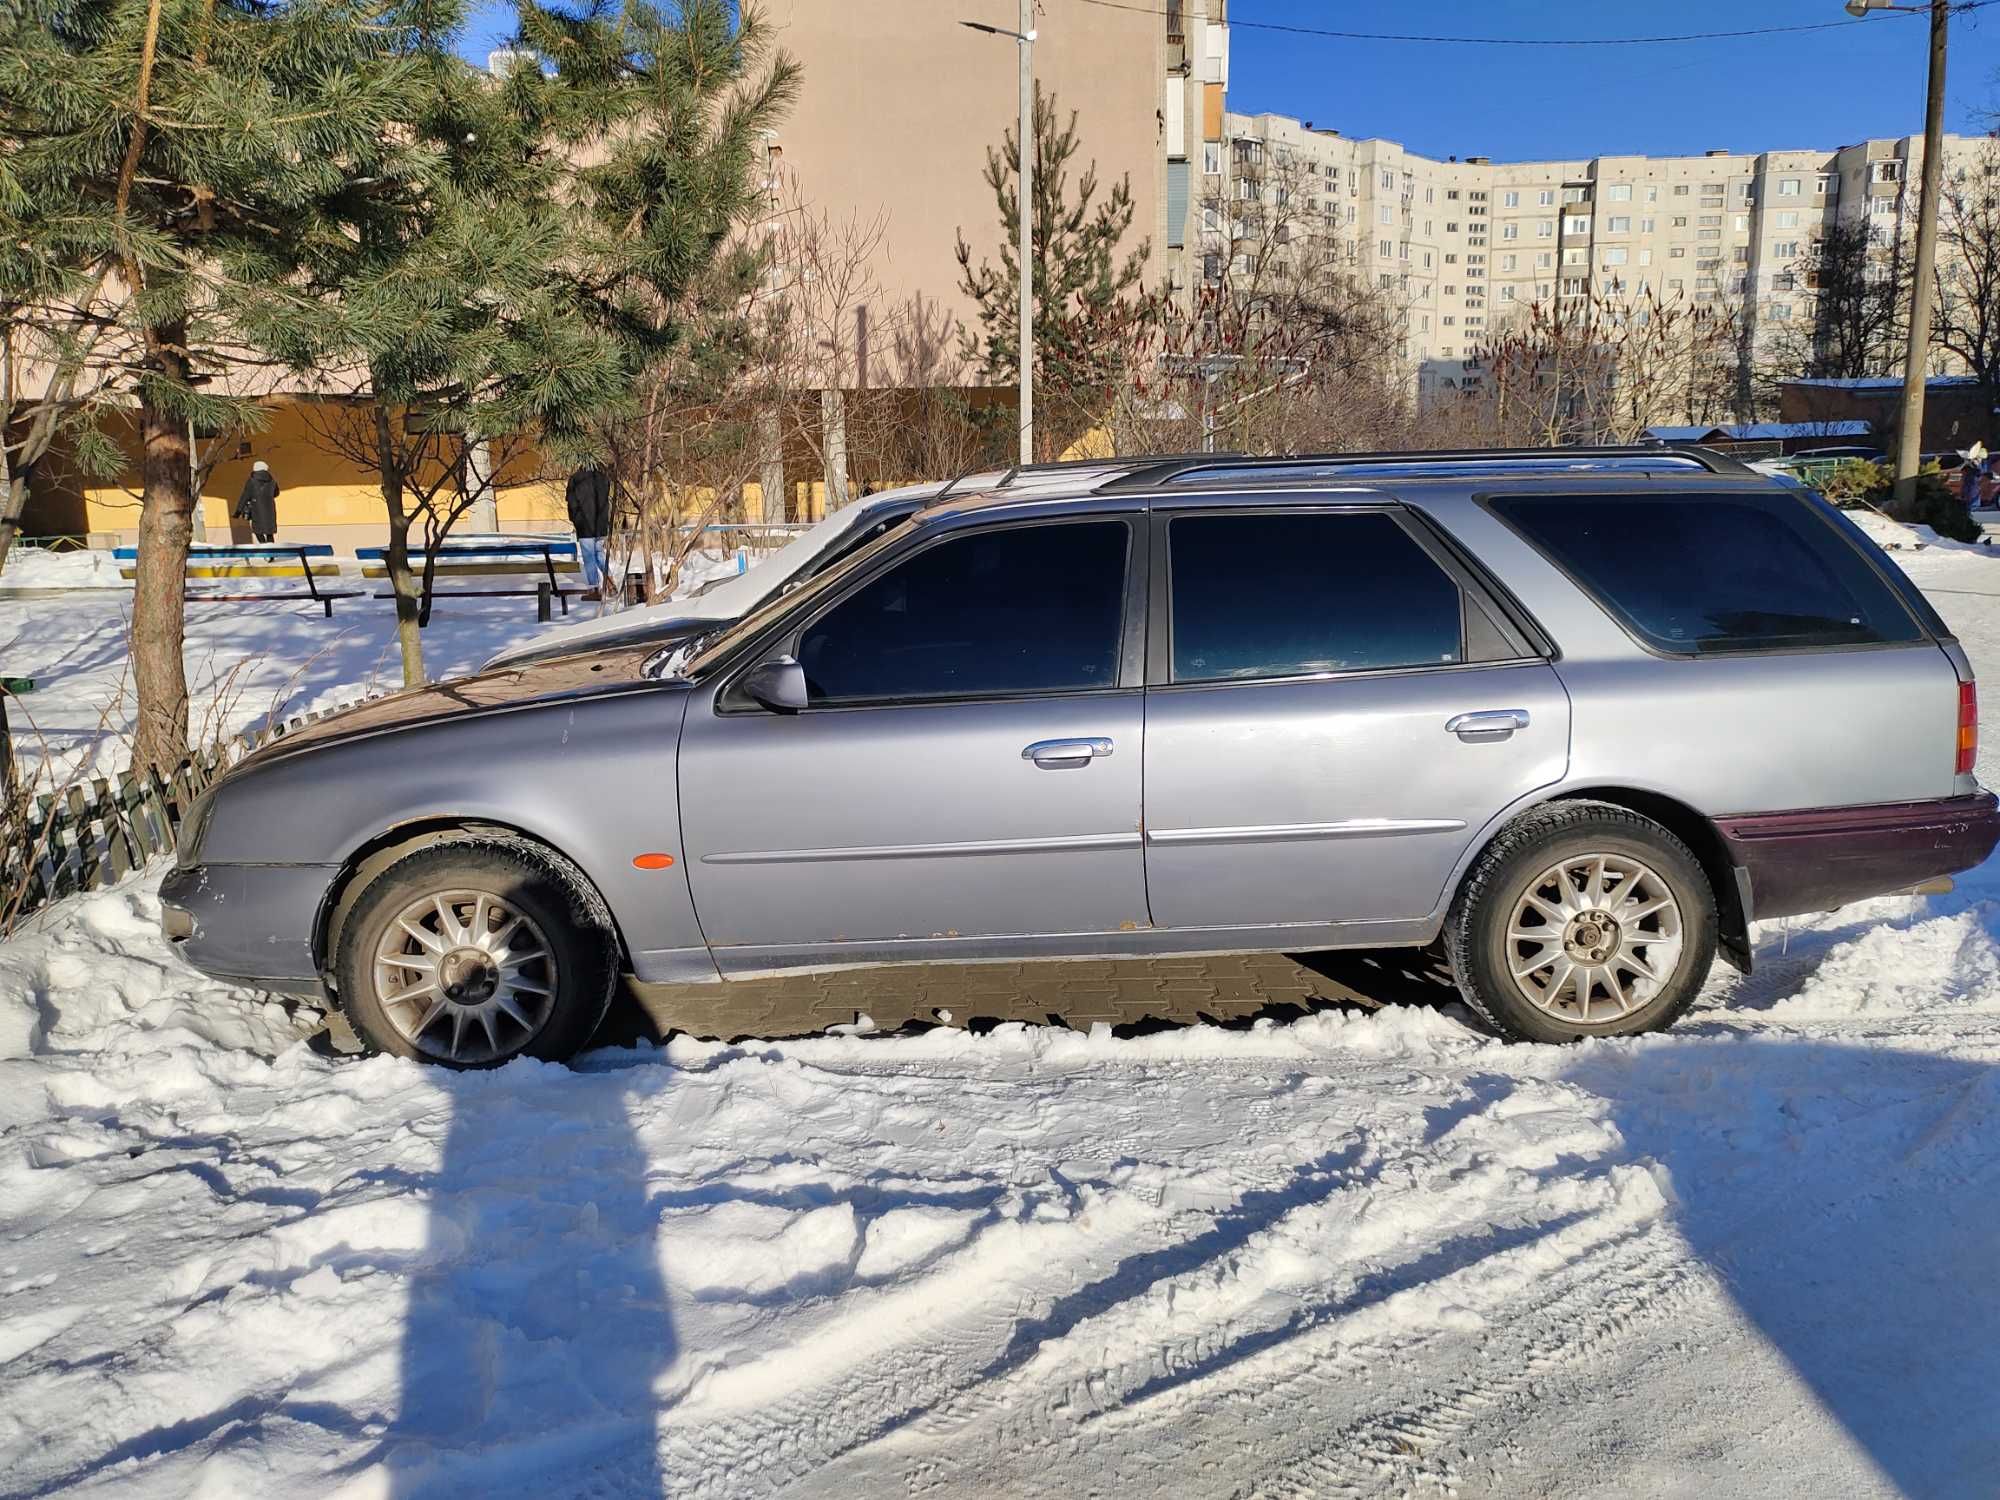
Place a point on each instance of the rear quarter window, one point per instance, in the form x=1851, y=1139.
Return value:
x=1696, y=574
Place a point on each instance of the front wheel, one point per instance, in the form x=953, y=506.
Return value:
x=472, y=952
x=1582, y=919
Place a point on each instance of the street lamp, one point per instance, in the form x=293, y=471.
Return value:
x=1024, y=217
x=1910, y=429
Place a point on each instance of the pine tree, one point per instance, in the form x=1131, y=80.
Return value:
x=1088, y=301
x=172, y=150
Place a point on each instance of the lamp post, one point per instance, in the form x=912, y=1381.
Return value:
x=1910, y=426
x=1024, y=217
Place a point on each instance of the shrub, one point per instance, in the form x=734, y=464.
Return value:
x=1938, y=504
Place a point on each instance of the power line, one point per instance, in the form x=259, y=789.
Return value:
x=1521, y=41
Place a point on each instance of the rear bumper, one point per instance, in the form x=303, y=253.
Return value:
x=1820, y=858
x=247, y=924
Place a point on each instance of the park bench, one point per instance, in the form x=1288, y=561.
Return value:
x=310, y=562
x=488, y=559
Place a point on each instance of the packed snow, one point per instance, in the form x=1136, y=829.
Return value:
x=1353, y=1254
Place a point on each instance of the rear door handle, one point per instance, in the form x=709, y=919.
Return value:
x=1066, y=755
x=1488, y=724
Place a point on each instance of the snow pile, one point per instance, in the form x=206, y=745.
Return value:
x=39, y=568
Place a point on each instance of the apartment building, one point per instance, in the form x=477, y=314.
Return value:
x=1466, y=243
x=900, y=103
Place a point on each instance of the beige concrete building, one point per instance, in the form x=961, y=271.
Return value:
x=900, y=104
x=1468, y=242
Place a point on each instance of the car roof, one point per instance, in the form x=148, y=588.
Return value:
x=1225, y=478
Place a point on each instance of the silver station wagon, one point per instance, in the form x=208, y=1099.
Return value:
x=1578, y=717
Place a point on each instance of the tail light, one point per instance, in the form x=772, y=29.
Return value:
x=1968, y=727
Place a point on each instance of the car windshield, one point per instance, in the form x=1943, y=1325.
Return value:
x=695, y=658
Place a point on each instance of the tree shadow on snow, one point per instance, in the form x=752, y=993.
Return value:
x=1849, y=1198
x=537, y=1319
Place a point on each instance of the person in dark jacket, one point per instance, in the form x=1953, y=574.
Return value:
x=258, y=504
x=588, y=497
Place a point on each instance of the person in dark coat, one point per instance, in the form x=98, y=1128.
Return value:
x=588, y=496
x=258, y=504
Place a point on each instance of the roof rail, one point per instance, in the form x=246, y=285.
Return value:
x=1643, y=458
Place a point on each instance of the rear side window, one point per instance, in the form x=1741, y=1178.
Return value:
x=1691, y=574
x=1031, y=609
x=1274, y=595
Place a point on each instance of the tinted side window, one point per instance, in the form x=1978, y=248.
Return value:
x=1284, y=595
x=1696, y=573
x=1030, y=609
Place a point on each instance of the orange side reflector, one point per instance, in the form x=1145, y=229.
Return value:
x=653, y=861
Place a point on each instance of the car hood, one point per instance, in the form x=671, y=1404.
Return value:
x=579, y=674
x=661, y=624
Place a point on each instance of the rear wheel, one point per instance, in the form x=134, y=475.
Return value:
x=472, y=952
x=1582, y=919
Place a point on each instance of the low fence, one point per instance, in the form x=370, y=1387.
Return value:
x=90, y=833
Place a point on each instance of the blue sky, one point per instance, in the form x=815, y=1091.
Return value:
x=1810, y=89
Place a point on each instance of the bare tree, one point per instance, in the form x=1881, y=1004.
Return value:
x=1965, y=320
x=1283, y=346
x=1605, y=365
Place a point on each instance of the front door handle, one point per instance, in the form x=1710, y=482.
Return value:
x=1489, y=724
x=1066, y=755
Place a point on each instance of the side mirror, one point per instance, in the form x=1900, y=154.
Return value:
x=778, y=684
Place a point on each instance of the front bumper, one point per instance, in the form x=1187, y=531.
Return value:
x=1820, y=858
x=247, y=924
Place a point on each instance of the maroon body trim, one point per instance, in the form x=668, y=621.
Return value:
x=1818, y=858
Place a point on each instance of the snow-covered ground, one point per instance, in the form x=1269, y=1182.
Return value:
x=1351, y=1255
x=246, y=662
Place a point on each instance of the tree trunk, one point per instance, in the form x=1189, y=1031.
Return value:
x=771, y=464
x=408, y=630
x=159, y=615
x=14, y=504
x=833, y=426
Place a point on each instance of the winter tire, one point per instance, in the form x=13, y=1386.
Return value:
x=472, y=952
x=1582, y=919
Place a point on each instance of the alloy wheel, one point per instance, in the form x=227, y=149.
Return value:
x=1594, y=937
x=464, y=976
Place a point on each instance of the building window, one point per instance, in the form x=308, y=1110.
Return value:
x=1508, y=262
x=1786, y=221
x=1645, y=257
x=1680, y=190
x=1888, y=171
x=1742, y=255
x=1615, y=256
x=1388, y=179
x=1785, y=249
x=1448, y=320
x=1506, y=294
x=1783, y=281
x=1510, y=200
x=1621, y=192
x=1828, y=185
x=1388, y=248
x=1711, y=221
x=1387, y=217
x=1652, y=195
x=1781, y=311
x=1450, y=227
x=1788, y=187
x=1211, y=158
x=1678, y=252
x=1646, y=226
x=1451, y=260
x=1510, y=231
x=1544, y=260
x=1620, y=224
x=1451, y=194
x=1708, y=234
x=1740, y=223
x=1545, y=197
x=1574, y=194
x=1574, y=224
x=1676, y=285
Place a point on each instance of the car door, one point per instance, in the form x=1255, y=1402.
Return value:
x=964, y=775
x=1334, y=710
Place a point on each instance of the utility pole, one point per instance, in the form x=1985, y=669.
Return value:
x=1916, y=354
x=1024, y=231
